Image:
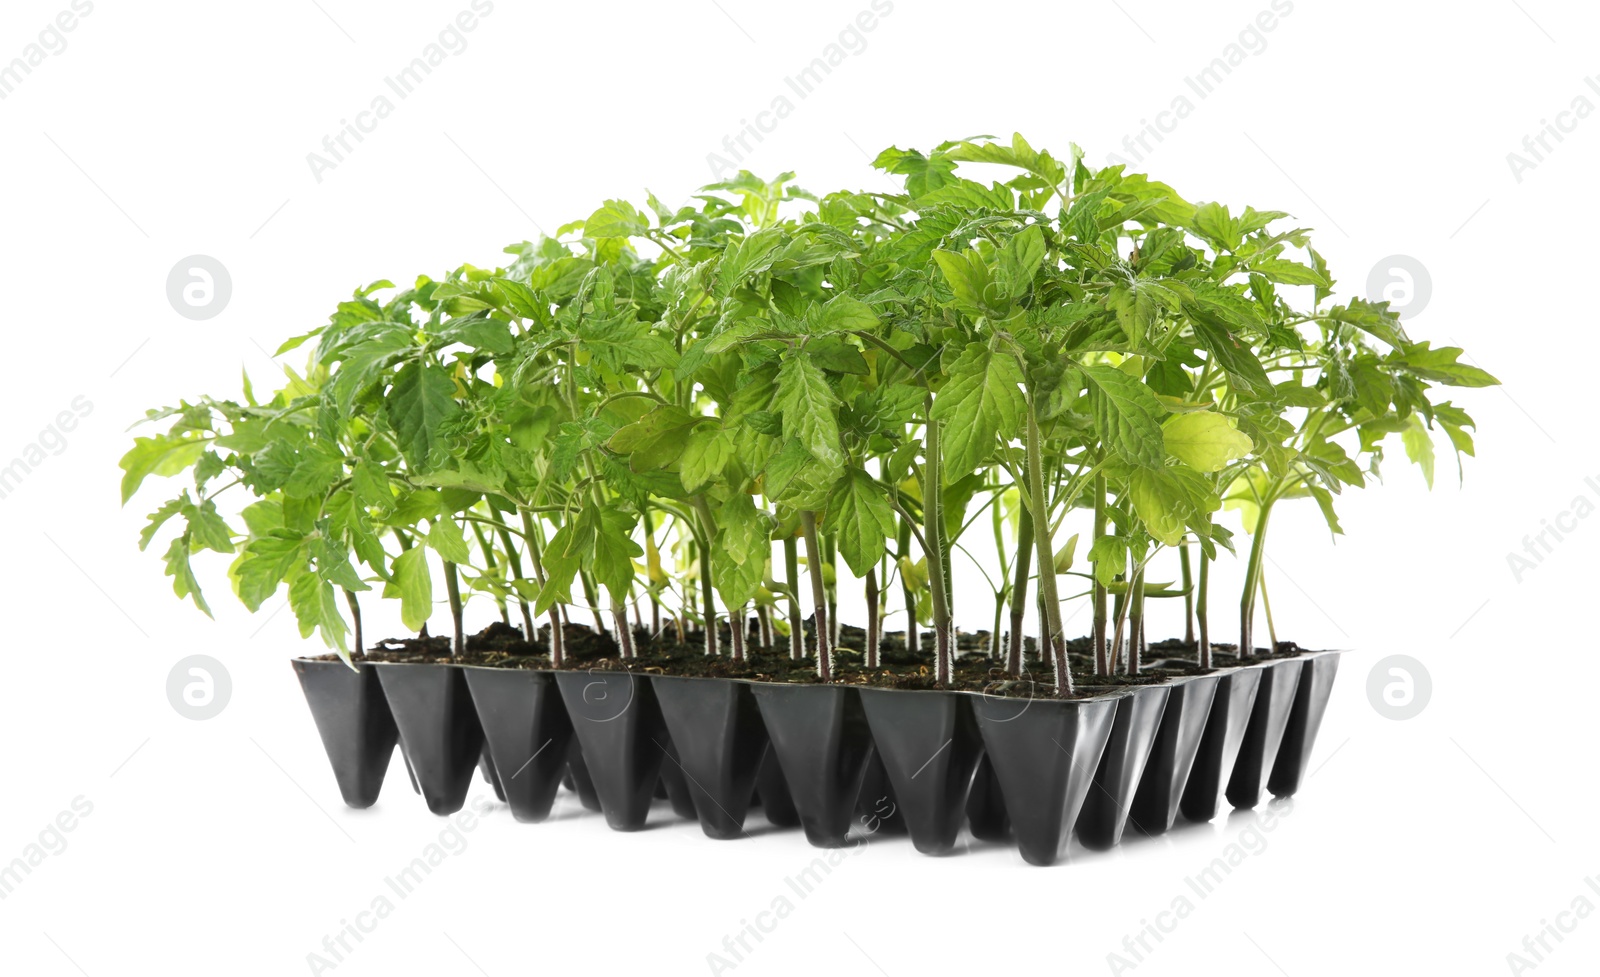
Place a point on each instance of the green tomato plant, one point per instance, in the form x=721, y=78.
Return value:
x=718, y=408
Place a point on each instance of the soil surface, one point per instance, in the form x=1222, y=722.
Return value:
x=501, y=646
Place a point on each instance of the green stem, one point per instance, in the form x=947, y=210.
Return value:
x=708, y=530
x=1200, y=613
x=1136, y=622
x=452, y=583
x=1188, y=591
x=1266, y=605
x=1252, y=578
x=489, y=563
x=1050, y=635
x=558, y=640
x=819, y=596
x=515, y=562
x=913, y=639
x=1019, y=590
x=791, y=569
x=355, y=617
x=1102, y=663
x=933, y=537
x=874, y=618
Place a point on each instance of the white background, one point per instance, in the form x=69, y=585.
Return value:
x=164, y=130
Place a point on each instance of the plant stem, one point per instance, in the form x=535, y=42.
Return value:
x=1019, y=590
x=1102, y=662
x=452, y=583
x=1050, y=634
x=619, y=618
x=1252, y=577
x=355, y=616
x=913, y=640
x=819, y=596
x=515, y=561
x=489, y=563
x=933, y=536
x=874, y=618
x=830, y=551
x=1136, y=622
x=1188, y=595
x=1266, y=605
x=1200, y=613
x=592, y=595
x=791, y=569
x=738, y=624
x=708, y=529
x=558, y=641
x=764, y=616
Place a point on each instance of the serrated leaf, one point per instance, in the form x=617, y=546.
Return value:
x=808, y=405
x=420, y=402
x=412, y=582
x=860, y=517
x=1126, y=415
x=982, y=401
x=1205, y=441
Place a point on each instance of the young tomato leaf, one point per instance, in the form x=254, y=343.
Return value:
x=1126, y=415
x=808, y=407
x=655, y=440
x=413, y=584
x=448, y=540
x=706, y=452
x=183, y=581
x=1205, y=440
x=861, y=519
x=981, y=401
x=420, y=401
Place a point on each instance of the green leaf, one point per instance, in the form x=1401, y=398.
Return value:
x=1245, y=373
x=1064, y=555
x=746, y=257
x=981, y=401
x=614, y=550
x=971, y=283
x=861, y=519
x=160, y=517
x=1126, y=415
x=316, y=609
x=207, y=528
x=706, y=453
x=655, y=440
x=1109, y=555
x=1212, y=222
x=1373, y=318
x=371, y=485
x=568, y=550
x=615, y=218
x=1325, y=503
x=1440, y=365
x=420, y=402
x=413, y=584
x=1419, y=446
x=844, y=312
x=1205, y=441
x=265, y=564
x=808, y=407
x=1161, y=506
x=448, y=540
x=619, y=342
x=183, y=581
x=1288, y=272
x=163, y=456
x=923, y=174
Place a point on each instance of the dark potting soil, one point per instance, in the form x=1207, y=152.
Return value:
x=502, y=646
